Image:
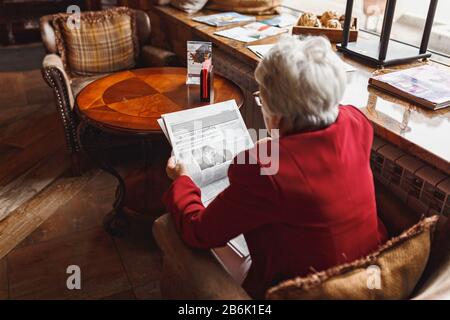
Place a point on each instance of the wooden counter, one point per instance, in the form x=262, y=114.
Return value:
x=417, y=131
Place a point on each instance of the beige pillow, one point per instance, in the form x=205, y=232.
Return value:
x=189, y=6
x=246, y=6
x=391, y=272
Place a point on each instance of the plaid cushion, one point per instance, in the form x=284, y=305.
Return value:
x=105, y=42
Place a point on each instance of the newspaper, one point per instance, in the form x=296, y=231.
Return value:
x=206, y=139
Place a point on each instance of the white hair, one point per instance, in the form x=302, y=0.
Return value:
x=302, y=81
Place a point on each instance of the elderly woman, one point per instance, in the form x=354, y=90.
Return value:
x=319, y=209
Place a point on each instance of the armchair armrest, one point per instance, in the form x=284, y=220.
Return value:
x=54, y=74
x=157, y=57
x=56, y=77
x=190, y=273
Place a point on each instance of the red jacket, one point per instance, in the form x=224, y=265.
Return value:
x=316, y=212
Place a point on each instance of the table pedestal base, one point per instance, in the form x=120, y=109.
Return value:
x=116, y=222
x=93, y=141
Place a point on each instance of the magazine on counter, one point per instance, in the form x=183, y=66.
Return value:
x=251, y=32
x=224, y=19
x=207, y=139
x=197, y=53
x=282, y=21
x=426, y=85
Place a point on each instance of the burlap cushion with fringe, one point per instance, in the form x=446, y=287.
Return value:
x=105, y=42
x=391, y=272
x=246, y=6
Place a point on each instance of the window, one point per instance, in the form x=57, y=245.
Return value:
x=408, y=24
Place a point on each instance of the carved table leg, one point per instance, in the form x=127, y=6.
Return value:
x=92, y=140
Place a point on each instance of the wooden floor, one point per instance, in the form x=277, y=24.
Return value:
x=50, y=220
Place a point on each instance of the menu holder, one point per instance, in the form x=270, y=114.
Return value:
x=197, y=53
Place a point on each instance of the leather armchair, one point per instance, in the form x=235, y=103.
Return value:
x=188, y=273
x=66, y=87
x=196, y=274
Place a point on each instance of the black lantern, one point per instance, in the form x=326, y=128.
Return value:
x=376, y=53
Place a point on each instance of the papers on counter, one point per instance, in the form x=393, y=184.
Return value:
x=282, y=21
x=251, y=32
x=262, y=50
x=224, y=19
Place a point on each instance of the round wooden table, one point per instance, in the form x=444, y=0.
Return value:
x=131, y=101
x=126, y=105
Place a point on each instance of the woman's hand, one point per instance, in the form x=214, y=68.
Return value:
x=175, y=169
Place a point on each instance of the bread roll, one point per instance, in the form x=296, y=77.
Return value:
x=308, y=20
x=328, y=15
x=333, y=24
